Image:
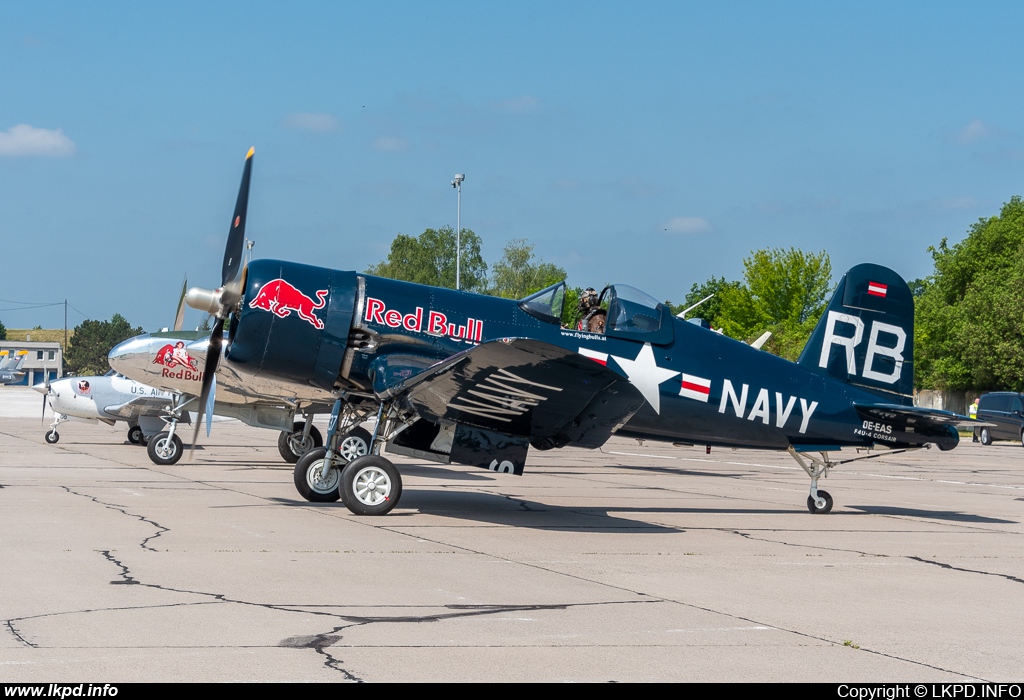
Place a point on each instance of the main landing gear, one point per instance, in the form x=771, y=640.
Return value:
x=350, y=467
x=303, y=437
x=135, y=435
x=166, y=448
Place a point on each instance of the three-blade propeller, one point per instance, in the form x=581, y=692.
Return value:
x=221, y=302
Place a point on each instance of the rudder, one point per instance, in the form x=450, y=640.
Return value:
x=866, y=335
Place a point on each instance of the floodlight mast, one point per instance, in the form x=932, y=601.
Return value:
x=457, y=184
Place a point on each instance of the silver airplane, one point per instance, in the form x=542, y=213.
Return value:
x=108, y=399
x=175, y=363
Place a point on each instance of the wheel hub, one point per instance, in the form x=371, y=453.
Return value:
x=351, y=448
x=318, y=482
x=165, y=449
x=372, y=486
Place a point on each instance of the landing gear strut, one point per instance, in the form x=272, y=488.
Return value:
x=166, y=447
x=52, y=436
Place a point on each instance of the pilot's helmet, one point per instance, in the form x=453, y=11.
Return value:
x=588, y=299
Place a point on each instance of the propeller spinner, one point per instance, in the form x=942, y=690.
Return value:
x=221, y=302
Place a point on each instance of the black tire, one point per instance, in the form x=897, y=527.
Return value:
x=828, y=503
x=370, y=485
x=52, y=437
x=308, y=482
x=135, y=435
x=163, y=451
x=986, y=436
x=291, y=446
x=355, y=444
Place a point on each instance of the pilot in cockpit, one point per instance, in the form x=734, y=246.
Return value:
x=592, y=316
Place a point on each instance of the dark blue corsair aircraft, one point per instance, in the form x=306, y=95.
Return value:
x=456, y=377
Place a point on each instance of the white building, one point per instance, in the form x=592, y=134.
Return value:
x=41, y=357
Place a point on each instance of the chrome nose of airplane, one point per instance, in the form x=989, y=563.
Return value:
x=134, y=357
x=42, y=388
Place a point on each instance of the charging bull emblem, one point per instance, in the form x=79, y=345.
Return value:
x=281, y=298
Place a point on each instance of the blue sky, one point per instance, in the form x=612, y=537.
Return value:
x=654, y=144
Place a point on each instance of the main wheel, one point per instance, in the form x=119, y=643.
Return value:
x=310, y=481
x=135, y=435
x=355, y=444
x=370, y=485
x=52, y=437
x=292, y=446
x=811, y=506
x=986, y=436
x=164, y=449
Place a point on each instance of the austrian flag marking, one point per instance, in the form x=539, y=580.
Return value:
x=697, y=388
x=877, y=289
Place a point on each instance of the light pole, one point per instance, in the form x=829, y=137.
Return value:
x=457, y=184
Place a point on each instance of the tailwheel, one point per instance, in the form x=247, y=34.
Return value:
x=52, y=437
x=135, y=435
x=293, y=445
x=822, y=505
x=312, y=482
x=370, y=485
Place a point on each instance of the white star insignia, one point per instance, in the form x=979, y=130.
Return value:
x=645, y=374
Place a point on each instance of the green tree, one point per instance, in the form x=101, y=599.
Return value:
x=969, y=320
x=3, y=331
x=517, y=274
x=711, y=309
x=783, y=291
x=93, y=340
x=430, y=259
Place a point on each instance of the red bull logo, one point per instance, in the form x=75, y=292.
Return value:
x=280, y=298
x=434, y=323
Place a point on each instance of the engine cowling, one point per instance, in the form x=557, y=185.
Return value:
x=293, y=322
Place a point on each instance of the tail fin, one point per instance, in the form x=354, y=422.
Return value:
x=866, y=336
x=18, y=361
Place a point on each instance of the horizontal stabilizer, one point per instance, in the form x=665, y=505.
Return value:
x=933, y=418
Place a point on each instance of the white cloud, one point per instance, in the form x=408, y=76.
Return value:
x=525, y=104
x=312, y=121
x=686, y=224
x=974, y=131
x=390, y=143
x=24, y=140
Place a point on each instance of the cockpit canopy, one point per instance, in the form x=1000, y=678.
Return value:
x=635, y=315
x=546, y=304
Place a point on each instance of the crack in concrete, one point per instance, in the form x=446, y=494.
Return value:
x=320, y=644
x=145, y=543
x=1008, y=577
